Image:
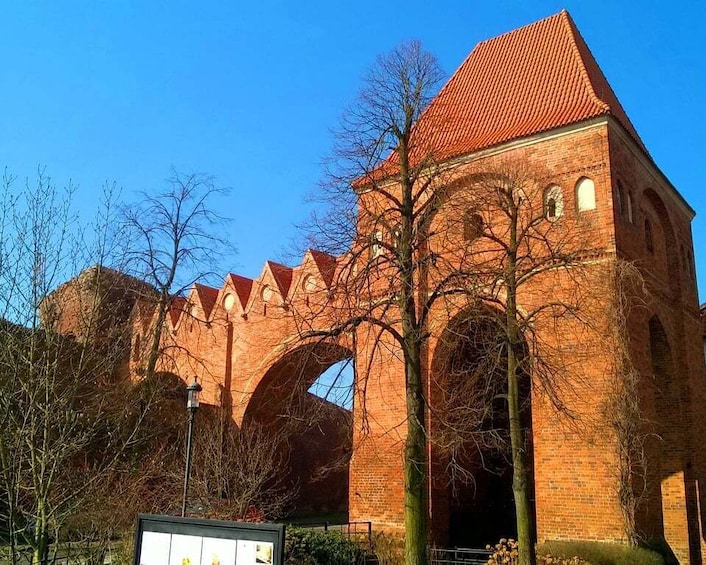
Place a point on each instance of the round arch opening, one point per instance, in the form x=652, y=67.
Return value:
x=470, y=455
x=304, y=403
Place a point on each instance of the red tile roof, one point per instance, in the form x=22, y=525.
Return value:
x=282, y=275
x=531, y=80
x=326, y=264
x=207, y=296
x=242, y=286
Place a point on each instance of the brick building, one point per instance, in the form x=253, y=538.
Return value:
x=537, y=96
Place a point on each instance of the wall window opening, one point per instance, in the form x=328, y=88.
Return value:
x=585, y=195
x=649, y=241
x=472, y=226
x=376, y=245
x=553, y=203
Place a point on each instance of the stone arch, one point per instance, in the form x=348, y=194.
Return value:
x=454, y=212
x=472, y=472
x=553, y=202
x=314, y=435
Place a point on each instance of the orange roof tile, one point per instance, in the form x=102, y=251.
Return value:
x=242, y=286
x=207, y=296
x=282, y=275
x=531, y=80
x=176, y=308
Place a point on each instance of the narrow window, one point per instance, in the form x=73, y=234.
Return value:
x=553, y=203
x=396, y=236
x=585, y=195
x=376, y=245
x=649, y=242
x=619, y=198
x=629, y=207
x=472, y=226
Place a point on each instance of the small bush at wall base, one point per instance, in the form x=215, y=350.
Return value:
x=599, y=553
x=388, y=548
x=505, y=552
x=312, y=547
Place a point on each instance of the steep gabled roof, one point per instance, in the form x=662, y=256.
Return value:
x=176, y=308
x=242, y=286
x=207, y=296
x=531, y=80
x=282, y=275
x=326, y=264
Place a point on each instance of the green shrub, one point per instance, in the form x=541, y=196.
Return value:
x=313, y=547
x=599, y=553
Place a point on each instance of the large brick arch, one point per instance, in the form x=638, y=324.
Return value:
x=471, y=490
x=314, y=435
x=669, y=480
x=291, y=374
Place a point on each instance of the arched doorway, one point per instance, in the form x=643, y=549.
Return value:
x=471, y=459
x=303, y=405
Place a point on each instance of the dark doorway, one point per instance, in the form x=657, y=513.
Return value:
x=472, y=426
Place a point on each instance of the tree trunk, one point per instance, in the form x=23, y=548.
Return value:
x=41, y=527
x=415, y=465
x=520, y=461
x=520, y=467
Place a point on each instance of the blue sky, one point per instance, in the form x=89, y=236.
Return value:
x=123, y=91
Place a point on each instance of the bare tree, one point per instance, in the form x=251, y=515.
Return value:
x=62, y=403
x=175, y=238
x=420, y=237
x=377, y=284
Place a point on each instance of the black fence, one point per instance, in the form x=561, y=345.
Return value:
x=458, y=556
x=359, y=532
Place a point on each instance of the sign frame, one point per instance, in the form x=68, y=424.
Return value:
x=244, y=535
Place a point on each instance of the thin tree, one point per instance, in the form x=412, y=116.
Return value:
x=65, y=412
x=175, y=238
x=379, y=127
x=420, y=237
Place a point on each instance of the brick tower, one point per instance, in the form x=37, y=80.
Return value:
x=537, y=96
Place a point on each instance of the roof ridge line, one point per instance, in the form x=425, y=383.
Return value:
x=534, y=23
x=578, y=59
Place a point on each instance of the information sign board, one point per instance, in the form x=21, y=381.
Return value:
x=168, y=540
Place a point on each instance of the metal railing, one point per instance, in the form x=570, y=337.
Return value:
x=359, y=532
x=458, y=556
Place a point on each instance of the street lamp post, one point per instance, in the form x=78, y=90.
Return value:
x=192, y=405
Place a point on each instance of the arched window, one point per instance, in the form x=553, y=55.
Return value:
x=629, y=207
x=376, y=245
x=472, y=226
x=649, y=241
x=396, y=236
x=585, y=195
x=620, y=198
x=553, y=203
